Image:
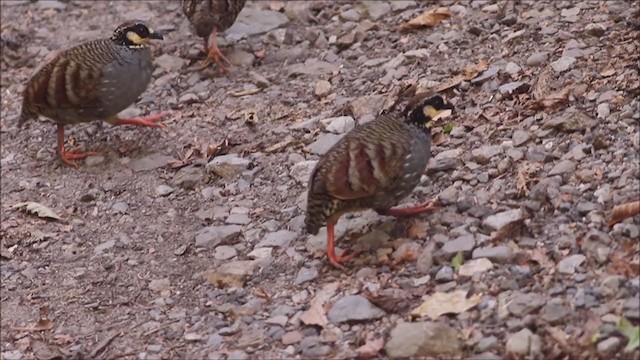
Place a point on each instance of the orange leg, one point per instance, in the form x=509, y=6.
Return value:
x=150, y=120
x=214, y=53
x=409, y=211
x=331, y=251
x=67, y=157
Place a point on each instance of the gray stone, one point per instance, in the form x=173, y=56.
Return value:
x=563, y=64
x=188, y=98
x=463, y=244
x=483, y=155
x=104, y=246
x=301, y=171
x=339, y=125
x=238, y=219
x=420, y=339
x=554, y=313
x=120, y=207
x=225, y=252
x=159, y=285
x=188, y=177
x=376, y=9
x=486, y=344
x=520, y=137
x=603, y=110
x=212, y=236
x=350, y=15
x=228, y=166
x=353, y=308
x=170, y=63
x=253, y=21
x=609, y=346
x=563, y=167
x=486, y=75
x=281, y=238
x=163, y=190
x=445, y=274
x=497, y=221
x=569, y=264
x=324, y=143
x=500, y=254
x=475, y=266
x=512, y=68
x=306, y=274
x=322, y=89
x=524, y=342
x=537, y=59
x=525, y=303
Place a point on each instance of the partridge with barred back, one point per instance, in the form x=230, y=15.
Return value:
x=93, y=81
x=374, y=166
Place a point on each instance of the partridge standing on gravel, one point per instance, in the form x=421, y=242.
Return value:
x=374, y=166
x=208, y=17
x=93, y=81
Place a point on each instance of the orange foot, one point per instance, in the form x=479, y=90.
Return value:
x=67, y=157
x=150, y=121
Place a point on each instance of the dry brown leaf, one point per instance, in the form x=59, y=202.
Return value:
x=468, y=73
x=391, y=300
x=439, y=139
x=371, y=347
x=624, y=211
x=427, y=19
x=317, y=313
x=440, y=303
x=539, y=255
x=417, y=230
x=511, y=231
x=38, y=209
x=524, y=175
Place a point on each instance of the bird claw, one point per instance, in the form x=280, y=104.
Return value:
x=67, y=156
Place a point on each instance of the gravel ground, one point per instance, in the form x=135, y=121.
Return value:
x=189, y=243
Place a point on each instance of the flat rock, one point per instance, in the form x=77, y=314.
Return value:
x=353, y=308
x=228, y=166
x=526, y=303
x=301, y=171
x=500, y=254
x=150, y=162
x=563, y=167
x=376, y=9
x=421, y=339
x=339, y=125
x=324, y=143
x=306, y=274
x=188, y=177
x=569, y=264
x=281, y=238
x=563, y=64
x=497, y=221
x=212, y=236
x=464, y=243
x=475, y=266
x=252, y=21
x=170, y=63
x=524, y=342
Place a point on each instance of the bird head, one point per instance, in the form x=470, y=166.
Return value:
x=134, y=34
x=428, y=110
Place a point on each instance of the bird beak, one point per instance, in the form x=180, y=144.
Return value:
x=156, y=35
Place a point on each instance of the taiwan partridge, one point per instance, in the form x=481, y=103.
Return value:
x=208, y=17
x=93, y=81
x=374, y=166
